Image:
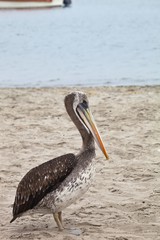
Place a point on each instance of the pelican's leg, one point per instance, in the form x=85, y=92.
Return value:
x=60, y=217
x=57, y=220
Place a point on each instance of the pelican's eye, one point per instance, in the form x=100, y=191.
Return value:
x=84, y=104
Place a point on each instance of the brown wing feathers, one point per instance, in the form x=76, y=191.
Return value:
x=41, y=180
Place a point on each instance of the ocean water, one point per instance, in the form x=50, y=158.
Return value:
x=91, y=43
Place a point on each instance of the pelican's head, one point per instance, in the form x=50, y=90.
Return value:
x=78, y=102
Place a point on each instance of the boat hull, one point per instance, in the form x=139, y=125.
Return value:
x=30, y=4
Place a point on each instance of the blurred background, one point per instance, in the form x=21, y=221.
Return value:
x=91, y=43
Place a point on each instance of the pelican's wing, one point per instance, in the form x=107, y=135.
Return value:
x=41, y=180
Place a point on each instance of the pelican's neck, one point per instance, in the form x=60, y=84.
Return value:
x=87, y=152
x=87, y=138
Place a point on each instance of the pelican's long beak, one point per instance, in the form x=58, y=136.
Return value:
x=87, y=118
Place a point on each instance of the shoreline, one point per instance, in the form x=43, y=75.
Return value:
x=123, y=201
x=82, y=86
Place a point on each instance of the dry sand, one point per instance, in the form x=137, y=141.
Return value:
x=123, y=202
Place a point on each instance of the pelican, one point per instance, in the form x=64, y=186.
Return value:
x=56, y=184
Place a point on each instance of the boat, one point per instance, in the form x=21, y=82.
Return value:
x=22, y=4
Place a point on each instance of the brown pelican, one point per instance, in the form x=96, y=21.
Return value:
x=54, y=185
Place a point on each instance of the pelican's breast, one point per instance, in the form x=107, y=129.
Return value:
x=71, y=189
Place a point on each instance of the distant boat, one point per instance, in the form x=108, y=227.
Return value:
x=20, y=4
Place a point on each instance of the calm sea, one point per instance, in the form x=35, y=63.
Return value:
x=91, y=43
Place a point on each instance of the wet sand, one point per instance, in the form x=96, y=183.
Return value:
x=123, y=202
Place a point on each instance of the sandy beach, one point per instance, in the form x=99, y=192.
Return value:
x=123, y=202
